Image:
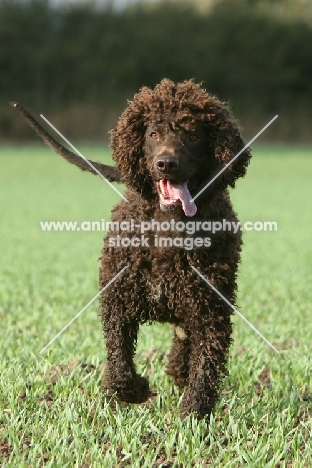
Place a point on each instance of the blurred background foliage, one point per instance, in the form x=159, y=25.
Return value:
x=79, y=62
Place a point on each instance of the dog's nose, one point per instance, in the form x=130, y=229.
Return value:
x=166, y=164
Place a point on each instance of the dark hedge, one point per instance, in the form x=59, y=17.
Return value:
x=79, y=64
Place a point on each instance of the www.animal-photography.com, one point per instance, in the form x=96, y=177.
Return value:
x=155, y=296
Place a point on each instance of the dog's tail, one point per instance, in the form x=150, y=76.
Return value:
x=111, y=173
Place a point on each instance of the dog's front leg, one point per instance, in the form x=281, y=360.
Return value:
x=121, y=377
x=210, y=342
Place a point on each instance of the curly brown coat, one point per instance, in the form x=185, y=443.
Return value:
x=154, y=141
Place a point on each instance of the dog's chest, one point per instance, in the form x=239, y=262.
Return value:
x=156, y=289
x=164, y=281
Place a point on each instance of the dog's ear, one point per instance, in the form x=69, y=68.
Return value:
x=127, y=142
x=227, y=142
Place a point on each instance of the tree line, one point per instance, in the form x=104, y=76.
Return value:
x=80, y=63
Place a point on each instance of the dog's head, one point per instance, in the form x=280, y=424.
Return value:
x=169, y=142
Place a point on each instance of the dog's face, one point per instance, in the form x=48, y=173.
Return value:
x=177, y=160
x=173, y=139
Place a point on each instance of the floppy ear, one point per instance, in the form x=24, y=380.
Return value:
x=227, y=142
x=127, y=141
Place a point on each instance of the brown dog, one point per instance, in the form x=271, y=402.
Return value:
x=168, y=144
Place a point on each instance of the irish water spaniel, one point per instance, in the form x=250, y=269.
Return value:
x=168, y=144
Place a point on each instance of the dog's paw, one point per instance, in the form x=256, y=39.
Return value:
x=134, y=390
x=195, y=404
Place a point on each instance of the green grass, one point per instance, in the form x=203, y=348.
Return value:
x=59, y=416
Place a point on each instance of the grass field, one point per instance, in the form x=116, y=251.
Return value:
x=53, y=412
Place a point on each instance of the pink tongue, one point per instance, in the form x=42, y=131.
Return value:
x=182, y=192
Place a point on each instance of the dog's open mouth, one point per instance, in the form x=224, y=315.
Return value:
x=172, y=193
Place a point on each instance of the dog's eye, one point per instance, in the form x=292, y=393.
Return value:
x=193, y=136
x=154, y=135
